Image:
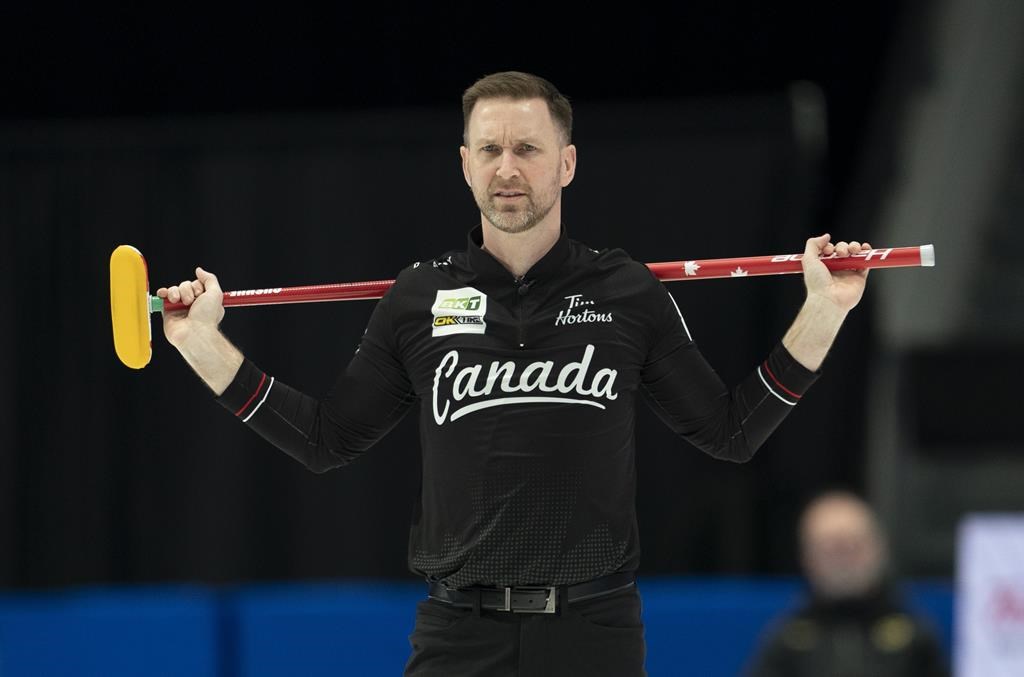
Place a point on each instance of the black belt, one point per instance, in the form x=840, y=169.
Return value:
x=530, y=598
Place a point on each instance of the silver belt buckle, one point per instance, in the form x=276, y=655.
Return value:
x=549, y=605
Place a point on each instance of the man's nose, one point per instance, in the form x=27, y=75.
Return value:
x=508, y=167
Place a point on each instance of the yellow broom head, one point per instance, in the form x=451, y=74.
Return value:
x=129, y=306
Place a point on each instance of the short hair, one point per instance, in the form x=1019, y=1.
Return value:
x=517, y=85
x=841, y=495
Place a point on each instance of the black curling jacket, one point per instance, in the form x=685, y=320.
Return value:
x=526, y=389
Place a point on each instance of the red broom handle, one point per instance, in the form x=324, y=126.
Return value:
x=667, y=271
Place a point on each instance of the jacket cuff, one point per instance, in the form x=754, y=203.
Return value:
x=246, y=391
x=784, y=376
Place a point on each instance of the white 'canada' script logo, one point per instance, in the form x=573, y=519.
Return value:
x=466, y=384
x=576, y=312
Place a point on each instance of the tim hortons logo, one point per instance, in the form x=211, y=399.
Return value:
x=466, y=387
x=578, y=312
x=253, y=292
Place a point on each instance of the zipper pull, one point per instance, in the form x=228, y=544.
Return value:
x=522, y=286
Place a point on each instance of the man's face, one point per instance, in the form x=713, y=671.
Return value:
x=515, y=162
x=843, y=553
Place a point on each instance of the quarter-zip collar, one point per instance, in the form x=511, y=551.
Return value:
x=490, y=269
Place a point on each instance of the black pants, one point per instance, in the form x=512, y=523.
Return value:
x=597, y=637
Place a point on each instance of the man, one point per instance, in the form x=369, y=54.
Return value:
x=526, y=351
x=854, y=624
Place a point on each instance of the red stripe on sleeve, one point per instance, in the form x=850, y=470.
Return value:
x=788, y=391
x=256, y=392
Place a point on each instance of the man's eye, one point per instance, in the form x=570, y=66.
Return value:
x=527, y=146
x=489, y=149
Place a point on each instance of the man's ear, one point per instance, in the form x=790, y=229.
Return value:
x=568, y=168
x=464, y=154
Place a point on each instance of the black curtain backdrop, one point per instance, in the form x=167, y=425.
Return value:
x=109, y=474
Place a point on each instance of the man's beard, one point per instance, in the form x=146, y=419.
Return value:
x=518, y=220
x=849, y=582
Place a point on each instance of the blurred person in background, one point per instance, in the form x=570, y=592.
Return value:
x=854, y=624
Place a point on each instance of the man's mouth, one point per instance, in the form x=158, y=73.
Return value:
x=509, y=194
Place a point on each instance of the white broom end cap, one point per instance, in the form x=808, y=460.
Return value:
x=928, y=255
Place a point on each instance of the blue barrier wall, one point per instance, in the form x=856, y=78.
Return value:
x=166, y=631
x=716, y=623
x=694, y=626
x=332, y=629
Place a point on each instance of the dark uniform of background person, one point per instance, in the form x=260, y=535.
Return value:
x=854, y=624
x=526, y=353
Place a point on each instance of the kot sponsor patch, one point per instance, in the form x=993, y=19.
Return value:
x=459, y=311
